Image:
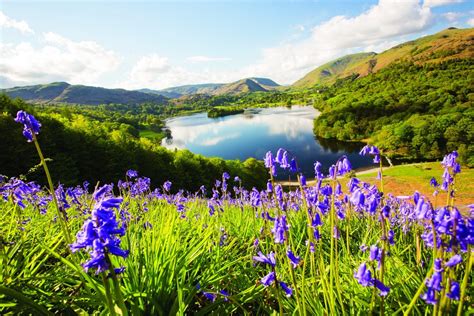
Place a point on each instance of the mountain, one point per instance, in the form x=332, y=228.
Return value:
x=448, y=44
x=247, y=85
x=62, y=92
x=333, y=69
x=237, y=87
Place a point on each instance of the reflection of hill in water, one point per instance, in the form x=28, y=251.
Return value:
x=335, y=146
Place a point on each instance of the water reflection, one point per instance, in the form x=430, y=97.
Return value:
x=254, y=132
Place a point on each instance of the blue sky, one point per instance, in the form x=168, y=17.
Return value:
x=157, y=44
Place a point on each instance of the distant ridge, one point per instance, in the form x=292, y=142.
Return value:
x=448, y=44
x=247, y=85
x=63, y=92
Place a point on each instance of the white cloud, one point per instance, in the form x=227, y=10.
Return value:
x=470, y=22
x=206, y=59
x=156, y=72
x=437, y=3
x=452, y=16
x=56, y=59
x=7, y=22
x=381, y=26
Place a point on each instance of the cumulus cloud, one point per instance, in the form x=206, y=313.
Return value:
x=470, y=22
x=56, y=59
x=452, y=16
x=378, y=28
x=7, y=22
x=157, y=72
x=437, y=3
x=206, y=59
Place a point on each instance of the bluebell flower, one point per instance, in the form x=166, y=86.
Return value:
x=270, y=259
x=453, y=261
x=268, y=279
x=384, y=290
x=167, y=186
x=294, y=259
x=317, y=170
x=132, y=173
x=100, y=234
x=286, y=288
x=30, y=124
x=363, y=275
x=454, y=291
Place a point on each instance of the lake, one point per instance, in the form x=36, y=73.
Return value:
x=256, y=131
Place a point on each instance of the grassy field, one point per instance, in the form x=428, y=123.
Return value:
x=239, y=252
x=406, y=179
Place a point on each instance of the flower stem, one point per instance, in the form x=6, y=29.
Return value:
x=62, y=218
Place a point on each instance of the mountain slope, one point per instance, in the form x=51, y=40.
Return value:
x=246, y=85
x=333, y=69
x=448, y=44
x=62, y=92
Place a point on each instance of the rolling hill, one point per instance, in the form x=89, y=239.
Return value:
x=62, y=92
x=448, y=44
x=247, y=85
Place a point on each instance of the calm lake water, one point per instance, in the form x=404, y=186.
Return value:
x=257, y=131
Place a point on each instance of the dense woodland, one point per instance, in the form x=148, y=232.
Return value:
x=409, y=111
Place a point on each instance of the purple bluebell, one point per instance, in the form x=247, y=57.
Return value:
x=270, y=259
x=30, y=124
x=384, y=290
x=225, y=294
x=100, y=234
x=132, y=173
x=167, y=186
x=286, y=288
x=279, y=229
x=295, y=260
x=453, y=261
x=268, y=279
x=454, y=292
x=317, y=170
x=363, y=275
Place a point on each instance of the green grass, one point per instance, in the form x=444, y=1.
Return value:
x=151, y=134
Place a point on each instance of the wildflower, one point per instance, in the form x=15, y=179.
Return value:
x=270, y=259
x=454, y=291
x=294, y=259
x=268, y=279
x=100, y=234
x=286, y=288
x=384, y=290
x=30, y=124
x=343, y=166
x=455, y=260
x=167, y=186
x=363, y=275
x=225, y=294
x=317, y=170
x=132, y=173
x=279, y=229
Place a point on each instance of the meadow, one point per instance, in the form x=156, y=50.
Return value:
x=339, y=246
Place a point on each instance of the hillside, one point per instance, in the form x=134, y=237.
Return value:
x=62, y=92
x=448, y=44
x=334, y=69
x=246, y=85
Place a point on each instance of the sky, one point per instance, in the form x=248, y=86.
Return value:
x=160, y=44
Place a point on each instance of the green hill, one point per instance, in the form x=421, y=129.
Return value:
x=246, y=85
x=62, y=92
x=446, y=45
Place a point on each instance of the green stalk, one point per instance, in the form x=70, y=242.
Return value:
x=418, y=293
x=465, y=281
x=61, y=217
x=108, y=295
x=117, y=291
